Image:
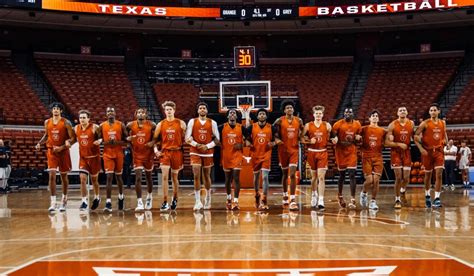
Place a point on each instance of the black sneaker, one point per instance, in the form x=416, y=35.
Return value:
x=95, y=203
x=121, y=203
x=164, y=207
x=108, y=207
x=83, y=206
x=428, y=201
x=257, y=200
x=437, y=203
x=174, y=203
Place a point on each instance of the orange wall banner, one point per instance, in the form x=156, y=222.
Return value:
x=102, y=8
x=382, y=8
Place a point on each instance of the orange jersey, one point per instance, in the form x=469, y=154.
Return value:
x=346, y=132
x=403, y=133
x=434, y=134
x=230, y=137
x=112, y=132
x=372, y=141
x=171, y=135
x=290, y=133
x=202, y=134
x=57, y=134
x=143, y=135
x=260, y=139
x=321, y=134
x=86, y=138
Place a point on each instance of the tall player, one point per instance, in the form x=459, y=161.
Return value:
x=141, y=137
x=316, y=135
x=261, y=136
x=345, y=133
x=113, y=134
x=58, y=137
x=232, y=155
x=401, y=132
x=171, y=132
x=202, y=134
x=89, y=160
x=433, y=138
x=289, y=129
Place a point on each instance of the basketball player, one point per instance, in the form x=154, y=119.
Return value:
x=232, y=155
x=289, y=129
x=141, y=137
x=59, y=137
x=373, y=141
x=89, y=154
x=465, y=156
x=171, y=132
x=431, y=143
x=401, y=131
x=202, y=134
x=113, y=134
x=345, y=133
x=261, y=136
x=315, y=136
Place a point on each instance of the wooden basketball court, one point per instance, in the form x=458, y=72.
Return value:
x=413, y=241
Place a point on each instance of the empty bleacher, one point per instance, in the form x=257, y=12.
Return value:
x=89, y=82
x=22, y=143
x=413, y=80
x=461, y=111
x=18, y=102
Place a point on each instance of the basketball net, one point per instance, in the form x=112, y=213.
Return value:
x=244, y=108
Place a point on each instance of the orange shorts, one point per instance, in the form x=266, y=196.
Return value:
x=261, y=164
x=143, y=164
x=287, y=159
x=60, y=161
x=346, y=158
x=372, y=165
x=434, y=159
x=90, y=165
x=114, y=165
x=317, y=160
x=205, y=162
x=172, y=159
x=401, y=158
x=233, y=162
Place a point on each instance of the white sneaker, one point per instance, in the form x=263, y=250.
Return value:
x=321, y=203
x=314, y=200
x=363, y=199
x=198, y=205
x=148, y=204
x=139, y=206
x=207, y=203
x=373, y=205
x=52, y=207
x=62, y=207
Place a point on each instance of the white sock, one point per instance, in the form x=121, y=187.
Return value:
x=236, y=199
x=139, y=200
x=229, y=196
x=321, y=199
x=108, y=200
x=402, y=190
x=292, y=197
x=285, y=194
x=96, y=196
x=197, y=195
x=64, y=197
x=208, y=193
x=437, y=194
x=120, y=196
x=53, y=199
x=315, y=193
x=84, y=199
x=149, y=196
x=397, y=198
x=427, y=192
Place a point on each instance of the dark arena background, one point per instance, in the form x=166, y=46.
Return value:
x=345, y=55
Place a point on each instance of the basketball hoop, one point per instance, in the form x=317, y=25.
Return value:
x=244, y=108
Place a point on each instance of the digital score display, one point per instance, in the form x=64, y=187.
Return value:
x=259, y=13
x=244, y=57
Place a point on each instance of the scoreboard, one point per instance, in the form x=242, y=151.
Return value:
x=259, y=13
x=244, y=57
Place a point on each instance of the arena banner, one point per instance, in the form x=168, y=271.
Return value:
x=383, y=8
x=135, y=10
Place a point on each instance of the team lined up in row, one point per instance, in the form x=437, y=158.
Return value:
x=165, y=141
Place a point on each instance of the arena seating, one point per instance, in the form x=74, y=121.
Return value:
x=19, y=104
x=94, y=84
x=185, y=95
x=22, y=143
x=406, y=80
x=461, y=111
x=316, y=83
